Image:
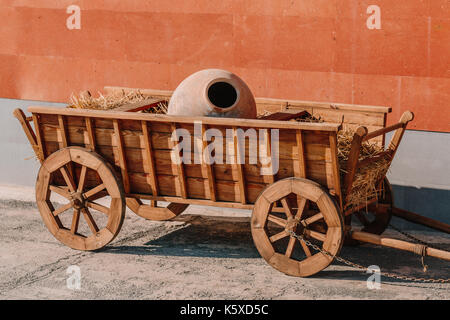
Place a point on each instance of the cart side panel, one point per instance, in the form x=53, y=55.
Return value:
x=230, y=183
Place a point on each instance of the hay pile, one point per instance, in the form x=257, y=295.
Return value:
x=86, y=101
x=366, y=179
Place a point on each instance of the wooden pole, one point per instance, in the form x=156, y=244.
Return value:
x=418, y=219
x=20, y=115
x=352, y=162
x=400, y=244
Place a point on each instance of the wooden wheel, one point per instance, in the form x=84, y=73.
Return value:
x=152, y=212
x=79, y=177
x=305, y=204
x=379, y=214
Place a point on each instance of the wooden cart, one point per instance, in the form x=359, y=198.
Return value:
x=125, y=158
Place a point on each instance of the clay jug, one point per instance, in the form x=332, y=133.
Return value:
x=213, y=93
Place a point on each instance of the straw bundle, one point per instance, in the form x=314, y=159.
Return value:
x=367, y=178
x=86, y=101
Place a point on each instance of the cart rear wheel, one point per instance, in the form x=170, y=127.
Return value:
x=152, y=212
x=80, y=177
x=379, y=214
x=304, y=203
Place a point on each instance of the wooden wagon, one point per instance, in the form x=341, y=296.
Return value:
x=126, y=158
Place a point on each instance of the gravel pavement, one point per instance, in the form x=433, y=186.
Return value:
x=206, y=253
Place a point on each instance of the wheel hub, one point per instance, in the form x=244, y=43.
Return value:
x=77, y=200
x=292, y=224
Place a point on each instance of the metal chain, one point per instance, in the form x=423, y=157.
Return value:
x=358, y=266
x=416, y=239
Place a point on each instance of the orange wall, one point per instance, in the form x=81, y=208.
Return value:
x=317, y=50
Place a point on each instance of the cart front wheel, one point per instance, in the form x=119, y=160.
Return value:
x=75, y=182
x=304, y=205
x=153, y=212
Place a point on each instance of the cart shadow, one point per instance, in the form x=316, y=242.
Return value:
x=230, y=237
x=199, y=236
x=388, y=260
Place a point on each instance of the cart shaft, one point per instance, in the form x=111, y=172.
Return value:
x=400, y=244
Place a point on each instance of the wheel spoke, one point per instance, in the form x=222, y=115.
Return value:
x=98, y=207
x=61, y=191
x=301, y=207
x=90, y=221
x=94, y=191
x=75, y=221
x=290, y=247
x=278, y=236
x=312, y=219
x=62, y=209
x=316, y=235
x=286, y=207
x=82, y=179
x=68, y=179
x=305, y=248
x=277, y=220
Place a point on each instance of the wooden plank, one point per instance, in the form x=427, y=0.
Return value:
x=161, y=141
x=180, y=166
x=63, y=131
x=352, y=161
x=335, y=164
x=383, y=139
x=239, y=167
x=268, y=140
x=138, y=106
x=301, y=163
x=350, y=116
x=250, y=123
x=319, y=165
x=122, y=159
x=207, y=167
x=91, y=133
x=150, y=158
x=25, y=123
x=269, y=101
x=406, y=117
x=38, y=132
x=382, y=131
x=202, y=202
x=326, y=105
x=198, y=188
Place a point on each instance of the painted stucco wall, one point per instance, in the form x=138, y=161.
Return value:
x=375, y=52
